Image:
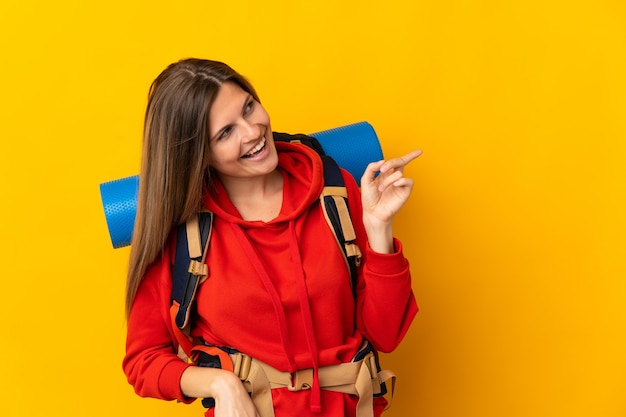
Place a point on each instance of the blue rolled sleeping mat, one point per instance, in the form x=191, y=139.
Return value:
x=352, y=146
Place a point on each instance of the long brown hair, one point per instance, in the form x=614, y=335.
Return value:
x=174, y=163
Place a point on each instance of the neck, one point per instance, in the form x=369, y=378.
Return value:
x=258, y=198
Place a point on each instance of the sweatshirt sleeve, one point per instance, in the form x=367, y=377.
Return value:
x=151, y=364
x=385, y=303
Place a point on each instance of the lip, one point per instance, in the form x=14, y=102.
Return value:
x=263, y=139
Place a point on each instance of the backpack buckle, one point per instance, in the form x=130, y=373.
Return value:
x=199, y=269
x=241, y=365
x=352, y=250
x=301, y=380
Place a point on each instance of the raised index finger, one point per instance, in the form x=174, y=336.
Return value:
x=401, y=162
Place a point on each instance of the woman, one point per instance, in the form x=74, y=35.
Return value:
x=208, y=144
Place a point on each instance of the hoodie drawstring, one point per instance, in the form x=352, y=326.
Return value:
x=305, y=306
x=305, y=309
x=253, y=256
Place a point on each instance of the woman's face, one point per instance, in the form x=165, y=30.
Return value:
x=240, y=136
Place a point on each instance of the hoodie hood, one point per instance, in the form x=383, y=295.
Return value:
x=303, y=176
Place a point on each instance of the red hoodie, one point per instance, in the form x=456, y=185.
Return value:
x=278, y=291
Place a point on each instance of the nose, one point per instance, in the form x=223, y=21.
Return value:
x=251, y=131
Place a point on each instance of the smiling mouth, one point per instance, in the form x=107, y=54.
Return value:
x=257, y=149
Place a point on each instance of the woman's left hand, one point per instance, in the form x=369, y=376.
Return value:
x=385, y=194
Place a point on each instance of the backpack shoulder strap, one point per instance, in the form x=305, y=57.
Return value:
x=188, y=272
x=334, y=203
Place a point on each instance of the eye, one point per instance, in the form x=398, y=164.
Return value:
x=224, y=133
x=248, y=107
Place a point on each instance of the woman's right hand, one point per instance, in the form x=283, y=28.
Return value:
x=231, y=397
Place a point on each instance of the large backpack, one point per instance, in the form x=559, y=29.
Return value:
x=193, y=238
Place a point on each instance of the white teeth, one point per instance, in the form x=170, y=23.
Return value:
x=256, y=148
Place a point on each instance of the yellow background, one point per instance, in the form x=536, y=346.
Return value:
x=516, y=229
